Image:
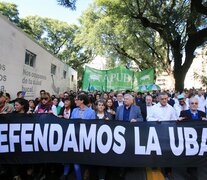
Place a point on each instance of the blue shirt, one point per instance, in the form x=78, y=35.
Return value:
x=194, y=115
x=126, y=113
x=86, y=113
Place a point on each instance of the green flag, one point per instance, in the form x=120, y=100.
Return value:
x=145, y=77
x=93, y=79
x=119, y=79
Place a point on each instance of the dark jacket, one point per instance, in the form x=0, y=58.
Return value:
x=187, y=114
x=116, y=105
x=62, y=112
x=143, y=108
x=106, y=116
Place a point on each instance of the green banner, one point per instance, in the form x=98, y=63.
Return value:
x=94, y=79
x=145, y=77
x=117, y=79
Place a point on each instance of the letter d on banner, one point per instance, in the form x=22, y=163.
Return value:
x=55, y=146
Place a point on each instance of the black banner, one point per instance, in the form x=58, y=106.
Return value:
x=45, y=138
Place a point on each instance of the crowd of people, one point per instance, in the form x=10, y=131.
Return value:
x=126, y=106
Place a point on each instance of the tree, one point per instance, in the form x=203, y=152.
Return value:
x=60, y=39
x=51, y=33
x=201, y=75
x=57, y=37
x=10, y=10
x=180, y=26
x=121, y=40
x=68, y=3
x=176, y=27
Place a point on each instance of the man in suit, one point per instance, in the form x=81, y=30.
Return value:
x=196, y=173
x=192, y=113
x=146, y=108
x=119, y=100
x=129, y=111
x=170, y=100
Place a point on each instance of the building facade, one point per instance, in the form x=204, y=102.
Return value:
x=27, y=66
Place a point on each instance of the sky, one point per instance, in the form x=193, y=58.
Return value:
x=51, y=9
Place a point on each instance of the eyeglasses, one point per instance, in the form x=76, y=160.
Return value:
x=194, y=103
x=44, y=99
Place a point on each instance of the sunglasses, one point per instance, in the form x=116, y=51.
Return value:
x=44, y=99
x=194, y=103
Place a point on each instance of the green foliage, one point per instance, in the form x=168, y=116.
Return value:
x=60, y=39
x=68, y=3
x=10, y=10
x=201, y=78
x=150, y=33
x=119, y=38
x=57, y=37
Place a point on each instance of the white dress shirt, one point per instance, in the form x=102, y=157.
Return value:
x=149, y=110
x=61, y=103
x=176, y=100
x=201, y=103
x=162, y=113
x=120, y=103
x=178, y=108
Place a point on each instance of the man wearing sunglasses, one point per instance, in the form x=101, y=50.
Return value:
x=193, y=113
x=197, y=173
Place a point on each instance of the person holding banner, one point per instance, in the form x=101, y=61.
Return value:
x=193, y=113
x=100, y=111
x=146, y=107
x=81, y=112
x=45, y=105
x=67, y=108
x=162, y=111
x=101, y=114
x=185, y=173
x=21, y=105
x=128, y=111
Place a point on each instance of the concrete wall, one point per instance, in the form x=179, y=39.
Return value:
x=15, y=75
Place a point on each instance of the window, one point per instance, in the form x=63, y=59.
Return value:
x=72, y=78
x=53, y=69
x=30, y=58
x=64, y=74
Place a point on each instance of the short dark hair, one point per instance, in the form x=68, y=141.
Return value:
x=163, y=94
x=100, y=101
x=18, y=93
x=8, y=95
x=42, y=91
x=24, y=103
x=83, y=98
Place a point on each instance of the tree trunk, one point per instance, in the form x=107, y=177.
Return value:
x=179, y=76
x=180, y=71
